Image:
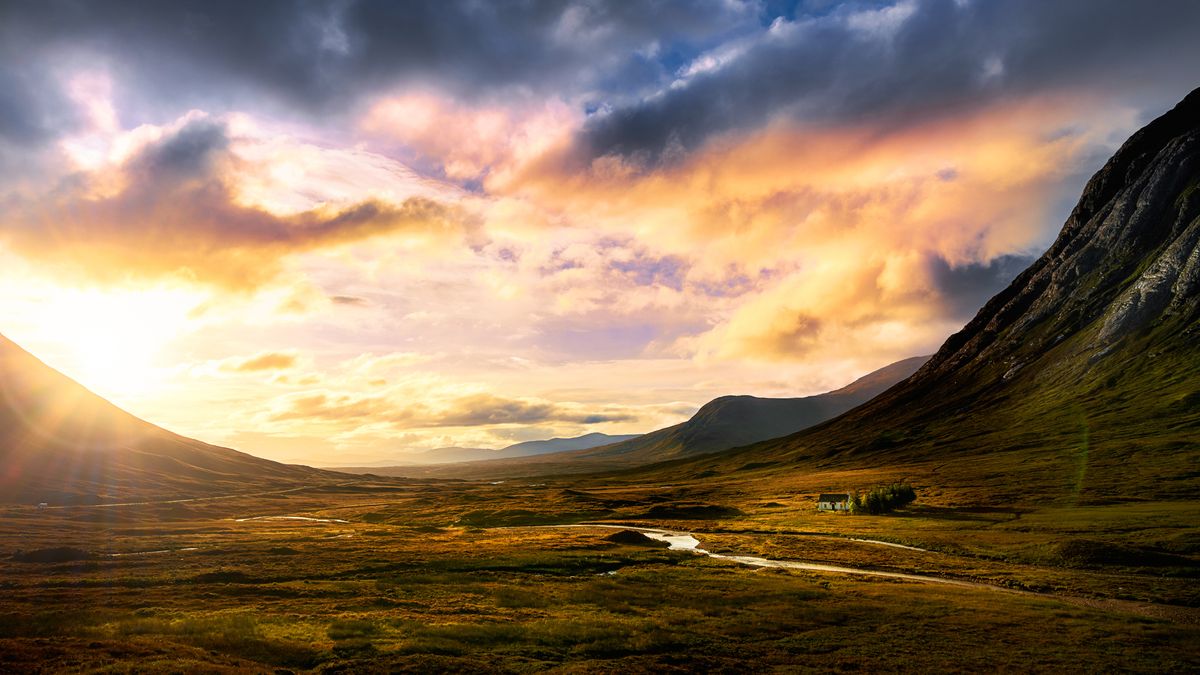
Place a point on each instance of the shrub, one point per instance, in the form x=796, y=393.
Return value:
x=224, y=577
x=692, y=511
x=883, y=499
x=347, y=629
x=52, y=555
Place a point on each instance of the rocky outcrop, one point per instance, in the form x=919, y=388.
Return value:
x=1126, y=259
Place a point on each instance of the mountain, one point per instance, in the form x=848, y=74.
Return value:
x=1081, y=380
x=60, y=443
x=585, y=442
x=721, y=424
x=731, y=421
x=525, y=449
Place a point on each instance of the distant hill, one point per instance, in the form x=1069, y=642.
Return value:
x=731, y=421
x=585, y=442
x=721, y=424
x=525, y=449
x=60, y=443
x=1080, y=381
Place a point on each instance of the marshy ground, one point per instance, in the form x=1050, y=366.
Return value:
x=458, y=576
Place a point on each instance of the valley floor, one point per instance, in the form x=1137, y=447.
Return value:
x=458, y=576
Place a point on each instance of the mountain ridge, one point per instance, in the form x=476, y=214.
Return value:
x=454, y=454
x=1087, y=364
x=723, y=423
x=61, y=443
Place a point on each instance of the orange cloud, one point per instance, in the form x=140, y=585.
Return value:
x=472, y=410
x=261, y=362
x=169, y=205
x=853, y=237
x=333, y=408
x=471, y=141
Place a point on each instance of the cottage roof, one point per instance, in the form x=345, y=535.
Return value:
x=833, y=497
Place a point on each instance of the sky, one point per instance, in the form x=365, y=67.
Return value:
x=336, y=232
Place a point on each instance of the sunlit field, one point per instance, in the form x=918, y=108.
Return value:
x=467, y=577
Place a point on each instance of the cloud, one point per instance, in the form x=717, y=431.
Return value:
x=883, y=64
x=486, y=409
x=656, y=80
x=373, y=366
x=471, y=142
x=30, y=112
x=333, y=408
x=263, y=361
x=475, y=410
x=326, y=56
x=889, y=303
x=799, y=243
x=616, y=264
x=965, y=288
x=170, y=207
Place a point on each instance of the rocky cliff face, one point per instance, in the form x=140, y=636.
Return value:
x=1126, y=260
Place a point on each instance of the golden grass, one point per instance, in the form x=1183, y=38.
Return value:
x=402, y=586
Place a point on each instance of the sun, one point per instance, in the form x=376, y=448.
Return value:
x=113, y=341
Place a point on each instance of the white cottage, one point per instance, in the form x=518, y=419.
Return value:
x=839, y=501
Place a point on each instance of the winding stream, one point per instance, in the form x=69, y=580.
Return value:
x=684, y=541
x=158, y=552
x=303, y=518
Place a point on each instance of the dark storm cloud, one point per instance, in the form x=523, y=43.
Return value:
x=322, y=56
x=965, y=288
x=30, y=112
x=817, y=63
x=192, y=152
x=834, y=68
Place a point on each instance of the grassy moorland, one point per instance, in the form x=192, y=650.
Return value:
x=450, y=576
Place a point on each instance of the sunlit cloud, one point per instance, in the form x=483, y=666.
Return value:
x=265, y=361
x=381, y=227
x=485, y=142
x=199, y=200
x=466, y=411
x=842, y=240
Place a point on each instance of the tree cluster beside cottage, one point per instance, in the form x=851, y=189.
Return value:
x=877, y=500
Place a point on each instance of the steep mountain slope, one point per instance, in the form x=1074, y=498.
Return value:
x=1085, y=370
x=60, y=443
x=723, y=423
x=524, y=449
